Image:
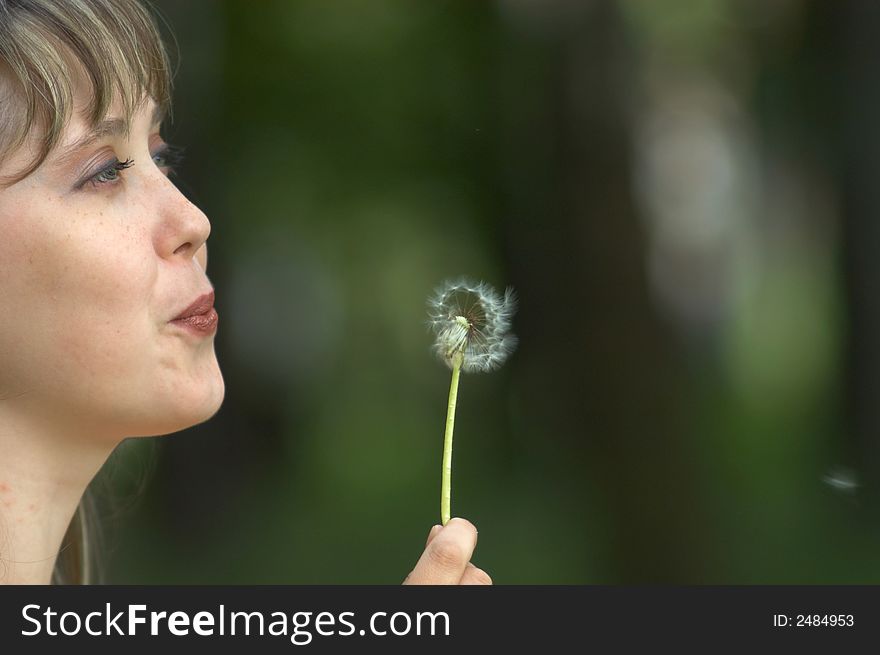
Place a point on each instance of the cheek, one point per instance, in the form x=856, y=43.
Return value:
x=81, y=287
x=104, y=295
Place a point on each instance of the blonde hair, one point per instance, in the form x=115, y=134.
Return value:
x=45, y=46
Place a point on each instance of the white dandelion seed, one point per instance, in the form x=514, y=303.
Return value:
x=842, y=479
x=470, y=318
x=471, y=325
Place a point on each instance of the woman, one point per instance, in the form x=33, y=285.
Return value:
x=106, y=314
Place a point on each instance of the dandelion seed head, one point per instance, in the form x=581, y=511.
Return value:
x=471, y=320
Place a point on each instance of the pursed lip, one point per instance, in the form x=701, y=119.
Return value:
x=201, y=305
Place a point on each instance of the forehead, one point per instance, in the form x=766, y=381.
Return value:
x=114, y=124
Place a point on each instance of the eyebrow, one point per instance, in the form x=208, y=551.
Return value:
x=111, y=127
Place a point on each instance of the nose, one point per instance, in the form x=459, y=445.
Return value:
x=184, y=227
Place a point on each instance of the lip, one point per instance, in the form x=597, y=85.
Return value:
x=200, y=317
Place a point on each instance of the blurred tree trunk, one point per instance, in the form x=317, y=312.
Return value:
x=857, y=88
x=612, y=366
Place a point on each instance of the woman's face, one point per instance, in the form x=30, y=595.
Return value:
x=94, y=263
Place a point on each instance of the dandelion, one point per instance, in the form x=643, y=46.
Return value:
x=471, y=324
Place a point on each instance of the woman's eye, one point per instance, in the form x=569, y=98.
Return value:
x=168, y=157
x=109, y=174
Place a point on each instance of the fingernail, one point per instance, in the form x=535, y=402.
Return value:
x=433, y=532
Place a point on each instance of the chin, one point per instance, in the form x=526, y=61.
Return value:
x=201, y=404
x=187, y=407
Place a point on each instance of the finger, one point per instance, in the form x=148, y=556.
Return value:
x=433, y=533
x=446, y=557
x=475, y=576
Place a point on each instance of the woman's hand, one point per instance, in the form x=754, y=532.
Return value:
x=447, y=556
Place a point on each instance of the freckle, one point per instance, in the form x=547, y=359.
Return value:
x=8, y=503
x=32, y=507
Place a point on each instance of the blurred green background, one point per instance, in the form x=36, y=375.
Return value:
x=684, y=195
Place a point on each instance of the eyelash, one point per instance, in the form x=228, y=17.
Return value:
x=172, y=155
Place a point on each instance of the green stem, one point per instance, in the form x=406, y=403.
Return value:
x=446, y=479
